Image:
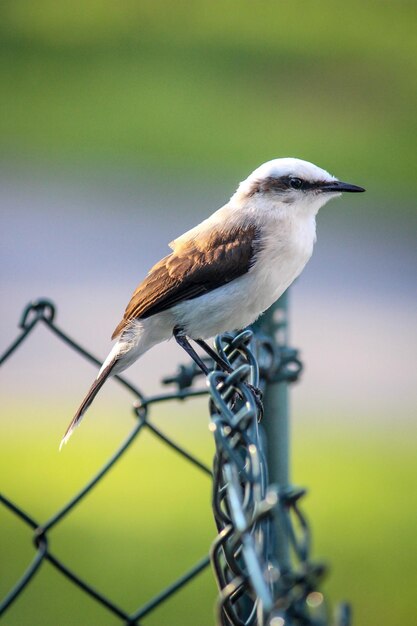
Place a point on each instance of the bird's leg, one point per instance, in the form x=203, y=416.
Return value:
x=216, y=357
x=182, y=341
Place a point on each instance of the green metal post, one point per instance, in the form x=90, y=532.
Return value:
x=276, y=419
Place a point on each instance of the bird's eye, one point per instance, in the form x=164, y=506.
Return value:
x=296, y=183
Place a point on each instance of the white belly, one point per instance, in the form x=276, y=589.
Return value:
x=240, y=302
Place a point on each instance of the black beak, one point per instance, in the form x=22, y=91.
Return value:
x=337, y=186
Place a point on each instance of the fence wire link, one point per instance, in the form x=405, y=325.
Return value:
x=253, y=589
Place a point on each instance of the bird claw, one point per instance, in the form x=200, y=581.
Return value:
x=258, y=397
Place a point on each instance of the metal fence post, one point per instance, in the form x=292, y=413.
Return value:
x=274, y=323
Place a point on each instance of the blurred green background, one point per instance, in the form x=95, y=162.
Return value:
x=210, y=86
x=121, y=124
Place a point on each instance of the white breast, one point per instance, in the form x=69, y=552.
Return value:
x=287, y=246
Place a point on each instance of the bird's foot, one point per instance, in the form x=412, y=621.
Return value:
x=258, y=396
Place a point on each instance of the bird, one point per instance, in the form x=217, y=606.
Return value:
x=225, y=272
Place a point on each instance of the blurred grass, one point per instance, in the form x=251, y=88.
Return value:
x=143, y=526
x=212, y=87
x=150, y=519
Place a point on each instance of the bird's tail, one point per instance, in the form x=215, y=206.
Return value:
x=93, y=391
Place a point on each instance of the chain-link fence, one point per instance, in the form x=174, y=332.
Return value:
x=261, y=556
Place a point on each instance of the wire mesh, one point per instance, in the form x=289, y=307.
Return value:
x=254, y=589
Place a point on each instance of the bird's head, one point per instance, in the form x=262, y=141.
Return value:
x=291, y=183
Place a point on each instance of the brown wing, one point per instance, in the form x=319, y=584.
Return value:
x=191, y=271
